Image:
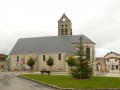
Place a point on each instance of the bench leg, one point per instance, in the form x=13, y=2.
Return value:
x=42, y=73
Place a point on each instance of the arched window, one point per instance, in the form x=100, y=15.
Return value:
x=17, y=58
x=43, y=57
x=59, y=56
x=88, y=53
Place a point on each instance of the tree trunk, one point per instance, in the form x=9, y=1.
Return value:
x=50, y=68
x=31, y=68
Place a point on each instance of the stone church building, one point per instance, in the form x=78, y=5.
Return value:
x=58, y=47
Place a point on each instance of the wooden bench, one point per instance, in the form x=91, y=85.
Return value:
x=45, y=71
x=16, y=69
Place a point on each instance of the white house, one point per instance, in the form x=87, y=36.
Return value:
x=109, y=63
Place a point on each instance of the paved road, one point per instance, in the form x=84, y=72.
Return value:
x=9, y=81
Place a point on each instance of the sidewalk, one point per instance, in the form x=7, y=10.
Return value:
x=34, y=72
x=113, y=74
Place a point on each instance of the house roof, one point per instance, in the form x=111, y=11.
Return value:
x=48, y=44
x=113, y=53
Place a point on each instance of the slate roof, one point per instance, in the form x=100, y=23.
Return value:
x=48, y=44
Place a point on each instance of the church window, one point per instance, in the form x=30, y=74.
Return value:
x=59, y=56
x=116, y=60
x=43, y=57
x=17, y=58
x=88, y=53
x=61, y=25
x=65, y=30
x=66, y=33
x=62, y=30
x=66, y=25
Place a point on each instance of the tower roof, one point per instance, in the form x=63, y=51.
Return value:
x=64, y=16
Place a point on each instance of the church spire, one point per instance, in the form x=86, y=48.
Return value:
x=64, y=26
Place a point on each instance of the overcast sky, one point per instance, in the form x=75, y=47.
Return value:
x=97, y=19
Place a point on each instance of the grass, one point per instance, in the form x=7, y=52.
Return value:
x=67, y=81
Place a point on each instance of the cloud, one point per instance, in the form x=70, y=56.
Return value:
x=97, y=19
x=104, y=30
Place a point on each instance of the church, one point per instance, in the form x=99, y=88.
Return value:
x=59, y=47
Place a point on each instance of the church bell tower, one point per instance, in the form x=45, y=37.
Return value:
x=64, y=26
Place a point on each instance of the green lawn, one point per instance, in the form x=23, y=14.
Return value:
x=67, y=81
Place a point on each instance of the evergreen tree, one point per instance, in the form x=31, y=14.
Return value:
x=50, y=62
x=82, y=69
x=31, y=62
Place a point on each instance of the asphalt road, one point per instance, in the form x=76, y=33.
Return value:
x=9, y=81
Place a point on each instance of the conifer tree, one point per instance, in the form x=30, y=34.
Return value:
x=82, y=70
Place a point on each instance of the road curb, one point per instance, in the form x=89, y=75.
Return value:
x=60, y=88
